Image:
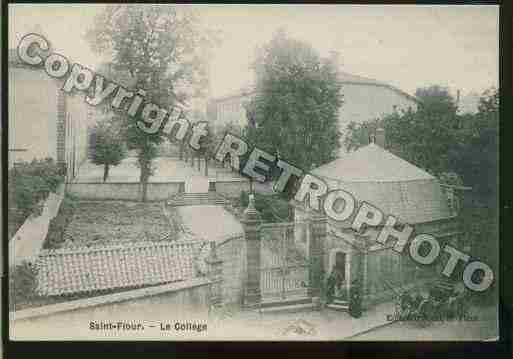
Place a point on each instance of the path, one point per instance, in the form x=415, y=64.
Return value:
x=28, y=240
x=486, y=327
x=210, y=222
x=328, y=324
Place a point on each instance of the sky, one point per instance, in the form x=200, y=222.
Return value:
x=406, y=46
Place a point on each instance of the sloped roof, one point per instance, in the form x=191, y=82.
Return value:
x=347, y=78
x=343, y=77
x=88, y=269
x=388, y=182
x=371, y=163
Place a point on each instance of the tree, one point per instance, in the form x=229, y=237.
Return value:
x=295, y=109
x=460, y=149
x=426, y=137
x=105, y=147
x=219, y=131
x=163, y=51
x=208, y=147
x=478, y=160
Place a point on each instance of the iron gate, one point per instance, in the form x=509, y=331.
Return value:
x=284, y=266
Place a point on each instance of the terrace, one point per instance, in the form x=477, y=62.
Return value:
x=112, y=222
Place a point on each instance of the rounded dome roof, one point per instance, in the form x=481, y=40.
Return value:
x=388, y=182
x=371, y=163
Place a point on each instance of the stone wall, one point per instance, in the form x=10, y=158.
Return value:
x=233, y=254
x=130, y=191
x=186, y=301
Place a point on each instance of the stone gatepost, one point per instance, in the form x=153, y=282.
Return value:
x=215, y=274
x=317, y=228
x=364, y=273
x=251, y=222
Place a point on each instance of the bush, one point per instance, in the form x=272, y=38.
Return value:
x=272, y=208
x=22, y=286
x=29, y=184
x=55, y=236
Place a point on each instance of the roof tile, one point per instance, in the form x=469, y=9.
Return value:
x=85, y=269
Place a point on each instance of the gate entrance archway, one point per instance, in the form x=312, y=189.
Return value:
x=284, y=266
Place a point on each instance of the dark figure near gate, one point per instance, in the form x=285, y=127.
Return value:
x=335, y=284
x=355, y=299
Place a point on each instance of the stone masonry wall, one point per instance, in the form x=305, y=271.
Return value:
x=123, y=191
x=185, y=301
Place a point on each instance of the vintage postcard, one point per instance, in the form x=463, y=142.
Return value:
x=253, y=172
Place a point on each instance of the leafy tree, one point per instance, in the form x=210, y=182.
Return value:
x=478, y=160
x=295, y=109
x=105, y=147
x=439, y=140
x=460, y=149
x=162, y=49
x=425, y=137
x=22, y=286
x=358, y=134
x=219, y=131
x=208, y=146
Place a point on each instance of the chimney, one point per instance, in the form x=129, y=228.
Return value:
x=380, y=137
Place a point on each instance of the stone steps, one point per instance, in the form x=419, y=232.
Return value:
x=340, y=305
x=286, y=305
x=288, y=308
x=192, y=199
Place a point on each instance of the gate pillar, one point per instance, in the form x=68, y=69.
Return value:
x=251, y=223
x=215, y=274
x=317, y=224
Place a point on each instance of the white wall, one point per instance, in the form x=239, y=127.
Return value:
x=32, y=114
x=367, y=102
x=231, y=110
x=362, y=102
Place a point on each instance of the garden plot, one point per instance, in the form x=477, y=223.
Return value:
x=111, y=222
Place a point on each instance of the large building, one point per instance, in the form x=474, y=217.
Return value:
x=44, y=122
x=364, y=99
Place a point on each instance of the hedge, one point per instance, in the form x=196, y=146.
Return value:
x=29, y=184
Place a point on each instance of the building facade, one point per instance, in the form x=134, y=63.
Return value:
x=44, y=122
x=375, y=176
x=230, y=109
x=364, y=99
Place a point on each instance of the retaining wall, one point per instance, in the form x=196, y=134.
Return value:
x=75, y=320
x=131, y=191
